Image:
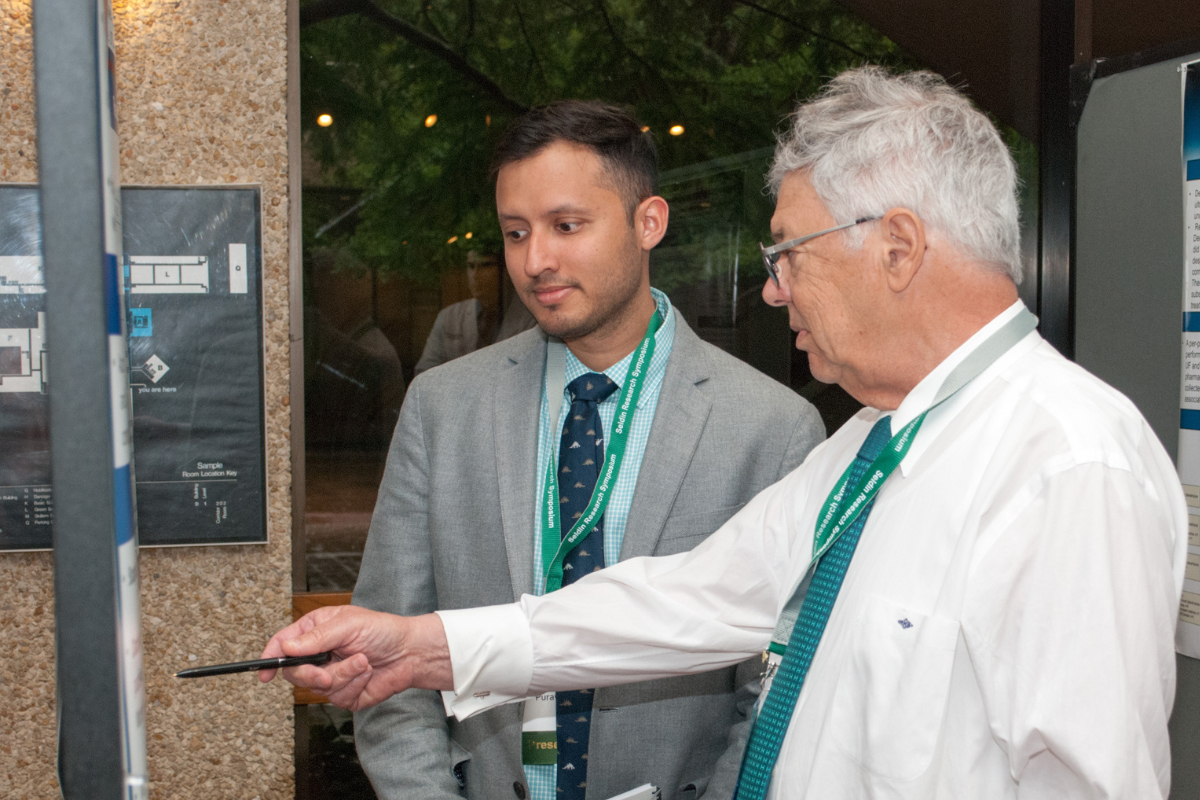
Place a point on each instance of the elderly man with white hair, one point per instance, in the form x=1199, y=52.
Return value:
x=968, y=591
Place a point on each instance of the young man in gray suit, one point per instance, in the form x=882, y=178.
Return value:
x=659, y=439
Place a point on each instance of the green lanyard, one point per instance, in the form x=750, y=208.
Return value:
x=836, y=516
x=829, y=529
x=555, y=547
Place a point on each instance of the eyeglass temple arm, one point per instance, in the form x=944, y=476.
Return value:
x=789, y=244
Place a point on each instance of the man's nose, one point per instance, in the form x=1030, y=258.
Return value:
x=775, y=294
x=539, y=255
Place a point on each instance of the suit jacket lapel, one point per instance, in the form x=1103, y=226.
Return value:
x=679, y=420
x=515, y=416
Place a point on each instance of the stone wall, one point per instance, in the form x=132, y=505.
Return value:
x=201, y=92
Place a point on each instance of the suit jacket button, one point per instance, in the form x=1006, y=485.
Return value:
x=519, y=790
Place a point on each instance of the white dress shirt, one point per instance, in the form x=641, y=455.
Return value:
x=1005, y=629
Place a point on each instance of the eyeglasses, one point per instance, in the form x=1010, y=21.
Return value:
x=771, y=254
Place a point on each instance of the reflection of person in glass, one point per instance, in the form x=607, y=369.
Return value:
x=468, y=325
x=354, y=380
x=457, y=520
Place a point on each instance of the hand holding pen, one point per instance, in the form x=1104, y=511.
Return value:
x=375, y=655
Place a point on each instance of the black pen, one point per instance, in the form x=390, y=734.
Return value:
x=254, y=666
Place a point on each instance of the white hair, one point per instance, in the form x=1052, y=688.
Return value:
x=872, y=141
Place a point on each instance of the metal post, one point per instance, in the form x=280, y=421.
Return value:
x=100, y=698
x=296, y=302
x=1056, y=176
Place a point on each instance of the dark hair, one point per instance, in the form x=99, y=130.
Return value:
x=628, y=152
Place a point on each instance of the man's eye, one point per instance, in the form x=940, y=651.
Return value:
x=568, y=227
x=516, y=236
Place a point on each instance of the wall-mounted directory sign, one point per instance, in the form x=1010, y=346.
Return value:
x=193, y=291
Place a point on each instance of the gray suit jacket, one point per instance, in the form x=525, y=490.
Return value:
x=453, y=528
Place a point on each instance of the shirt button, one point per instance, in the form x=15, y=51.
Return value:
x=519, y=790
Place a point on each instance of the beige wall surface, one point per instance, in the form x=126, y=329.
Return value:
x=201, y=94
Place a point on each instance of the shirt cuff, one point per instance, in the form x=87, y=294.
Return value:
x=491, y=655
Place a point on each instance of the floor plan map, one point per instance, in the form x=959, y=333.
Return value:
x=192, y=280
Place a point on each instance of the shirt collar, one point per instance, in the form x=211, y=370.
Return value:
x=663, y=341
x=923, y=394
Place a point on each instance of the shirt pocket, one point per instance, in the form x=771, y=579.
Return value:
x=889, y=706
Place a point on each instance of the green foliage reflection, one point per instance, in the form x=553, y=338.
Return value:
x=727, y=70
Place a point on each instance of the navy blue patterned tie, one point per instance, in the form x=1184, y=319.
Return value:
x=766, y=737
x=579, y=457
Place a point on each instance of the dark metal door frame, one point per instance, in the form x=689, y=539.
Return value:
x=1056, y=171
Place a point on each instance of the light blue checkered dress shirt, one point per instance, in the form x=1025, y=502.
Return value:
x=542, y=778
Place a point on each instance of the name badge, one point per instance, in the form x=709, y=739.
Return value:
x=539, y=731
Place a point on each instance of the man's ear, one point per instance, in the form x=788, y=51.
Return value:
x=650, y=221
x=902, y=247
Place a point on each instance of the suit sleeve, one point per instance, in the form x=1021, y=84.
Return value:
x=807, y=432
x=404, y=743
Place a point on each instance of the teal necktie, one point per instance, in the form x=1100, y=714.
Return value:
x=769, y=728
